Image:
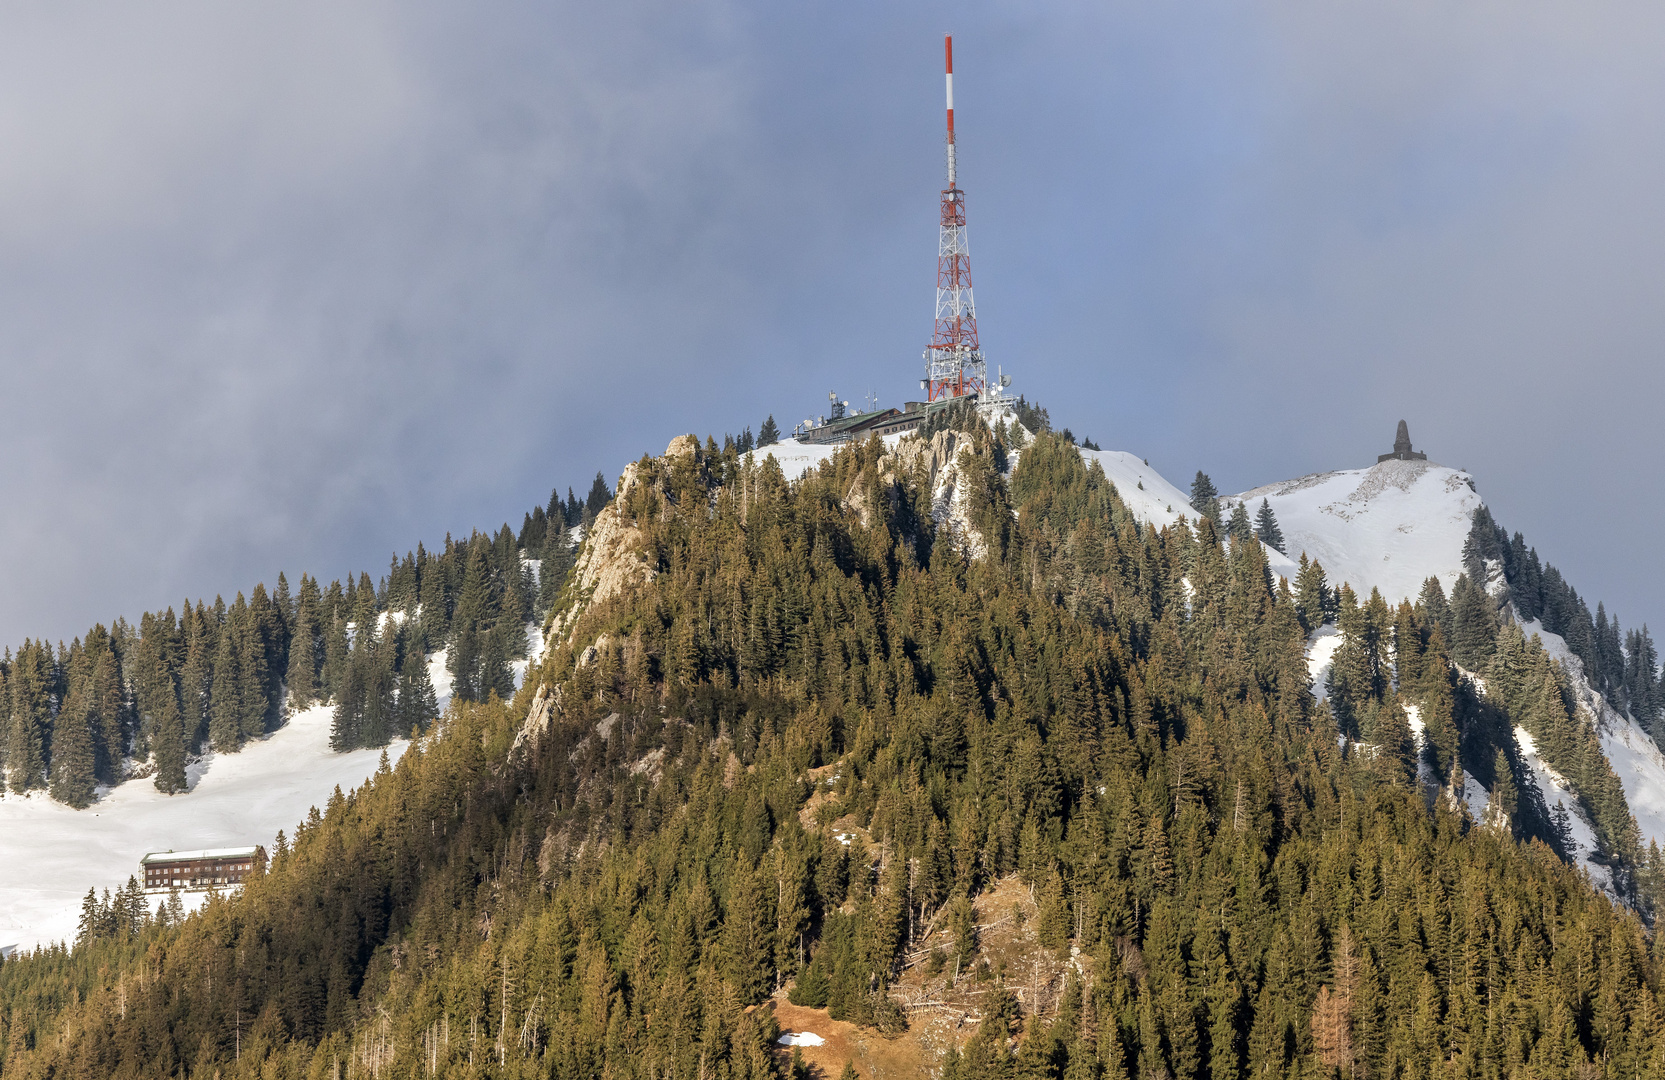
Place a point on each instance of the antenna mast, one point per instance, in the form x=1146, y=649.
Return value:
x=954, y=364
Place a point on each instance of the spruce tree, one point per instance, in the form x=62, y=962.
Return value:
x=168, y=744
x=283, y=601
x=366, y=607
x=346, y=726
x=1433, y=604
x=335, y=645
x=745, y=955
x=1610, y=655
x=5, y=716
x=1238, y=526
x=1266, y=528
x=266, y=635
x=1437, y=696
x=87, y=928
x=254, y=700
x=472, y=623
x=1641, y=680
x=1561, y=823
x=418, y=705
x=496, y=676
x=600, y=495
x=302, y=674
x=73, y=781
x=1353, y=679
x=511, y=620
x=553, y=568
x=150, y=682
x=768, y=434
x=30, y=686
x=136, y=910
x=1204, y=498
x=1392, y=736
x=225, y=703
x=1473, y=625
x=195, y=677
x=378, y=719
x=109, y=706
x=433, y=599
x=1505, y=795
x=1312, y=594
x=531, y=530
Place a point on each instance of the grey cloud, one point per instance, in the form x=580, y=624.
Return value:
x=293, y=286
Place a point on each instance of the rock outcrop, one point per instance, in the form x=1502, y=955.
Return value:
x=938, y=463
x=610, y=562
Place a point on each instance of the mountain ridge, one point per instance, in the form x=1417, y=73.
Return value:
x=1075, y=791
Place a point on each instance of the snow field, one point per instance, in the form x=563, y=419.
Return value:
x=796, y=458
x=1388, y=527
x=53, y=853
x=440, y=676
x=1321, y=648
x=1641, y=771
x=1475, y=797
x=1157, y=503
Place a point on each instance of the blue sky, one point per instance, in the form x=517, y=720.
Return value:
x=289, y=286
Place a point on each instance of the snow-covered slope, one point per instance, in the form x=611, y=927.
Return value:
x=1151, y=498
x=1392, y=526
x=1635, y=757
x=1641, y=769
x=234, y=799
x=53, y=854
x=1388, y=527
x=1156, y=501
x=796, y=458
x=1557, y=790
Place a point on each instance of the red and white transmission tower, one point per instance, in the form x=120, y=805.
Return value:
x=954, y=361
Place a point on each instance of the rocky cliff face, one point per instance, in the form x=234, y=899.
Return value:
x=611, y=559
x=610, y=562
x=940, y=464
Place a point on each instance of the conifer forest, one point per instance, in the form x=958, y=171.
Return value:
x=799, y=743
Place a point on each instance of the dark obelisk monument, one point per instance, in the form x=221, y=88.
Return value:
x=1402, y=447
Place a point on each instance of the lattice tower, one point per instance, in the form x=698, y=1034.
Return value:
x=954, y=364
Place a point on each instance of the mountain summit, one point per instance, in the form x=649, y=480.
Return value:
x=1389, y=527
x=959, y=754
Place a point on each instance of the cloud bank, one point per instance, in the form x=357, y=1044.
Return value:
x=294, y=286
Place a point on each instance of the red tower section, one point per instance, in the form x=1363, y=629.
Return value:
x=954, y=364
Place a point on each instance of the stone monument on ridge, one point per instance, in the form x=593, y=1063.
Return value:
x=1402, y=447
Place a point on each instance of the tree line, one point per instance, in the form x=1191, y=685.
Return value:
x=146, y=699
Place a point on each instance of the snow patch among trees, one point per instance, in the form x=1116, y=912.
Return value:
x=54, y=853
